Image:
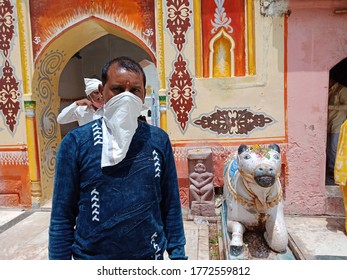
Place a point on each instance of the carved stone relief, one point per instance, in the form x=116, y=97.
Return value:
x=201, y=188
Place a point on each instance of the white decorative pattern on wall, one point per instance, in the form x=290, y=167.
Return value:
x=14, y=158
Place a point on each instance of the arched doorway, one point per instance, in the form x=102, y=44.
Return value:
x=49, y=74
x=337, y=114
x=87, y=63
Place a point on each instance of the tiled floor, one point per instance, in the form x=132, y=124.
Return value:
x=318, y=237
x=24, y=236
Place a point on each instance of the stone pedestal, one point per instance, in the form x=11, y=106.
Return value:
x=205, y=208
x=256, y=248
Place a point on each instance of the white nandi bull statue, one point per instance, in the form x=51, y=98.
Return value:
x=253, y=195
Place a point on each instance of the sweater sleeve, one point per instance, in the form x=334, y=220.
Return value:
x=171, y=208
x=64, y=200
x=68, y=114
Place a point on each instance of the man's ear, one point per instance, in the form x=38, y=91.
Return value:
x=100, y=89
x=143, y=96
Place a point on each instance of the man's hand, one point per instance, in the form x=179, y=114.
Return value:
x=84, y=102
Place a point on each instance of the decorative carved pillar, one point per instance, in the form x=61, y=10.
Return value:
x=33, y=152
x=162, y=110
x=201, y=188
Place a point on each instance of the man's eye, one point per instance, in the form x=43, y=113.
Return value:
x=118, y=89
x=136, y=90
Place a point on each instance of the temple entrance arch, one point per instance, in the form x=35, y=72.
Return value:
x=49, y=67
x=87, y=63
x=337, y=114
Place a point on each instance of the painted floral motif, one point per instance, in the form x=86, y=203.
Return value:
x=232, y=121
x=9, y=95
x=220, y=18
x=181, y=92
x=6, y=26
x=178, y=20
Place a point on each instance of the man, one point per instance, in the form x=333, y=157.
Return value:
x=85, y=110
x=116, y=193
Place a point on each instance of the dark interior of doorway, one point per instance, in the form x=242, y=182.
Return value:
x=337, y=115
x=87, y=63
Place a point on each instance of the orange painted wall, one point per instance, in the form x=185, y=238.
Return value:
x=14, y=180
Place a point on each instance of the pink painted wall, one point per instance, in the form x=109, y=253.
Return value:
x=316, y=42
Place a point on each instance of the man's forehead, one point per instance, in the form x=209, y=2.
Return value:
x=121, y=70
x=126, y=78
x=126, y=83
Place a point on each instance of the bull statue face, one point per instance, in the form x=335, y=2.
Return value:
x=260, y=164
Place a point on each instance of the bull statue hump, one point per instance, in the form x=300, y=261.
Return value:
x=253, y=196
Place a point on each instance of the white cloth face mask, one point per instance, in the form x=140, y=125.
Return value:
x=118, y=126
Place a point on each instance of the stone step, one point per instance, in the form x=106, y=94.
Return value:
x=334, y=201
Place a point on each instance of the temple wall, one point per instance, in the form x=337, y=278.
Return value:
x=229, y=72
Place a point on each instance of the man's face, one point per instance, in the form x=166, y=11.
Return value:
x=120, y=80
x=95, y=96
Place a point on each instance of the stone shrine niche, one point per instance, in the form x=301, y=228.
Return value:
x=201, y=188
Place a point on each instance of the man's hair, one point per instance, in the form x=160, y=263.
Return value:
x=126, y=63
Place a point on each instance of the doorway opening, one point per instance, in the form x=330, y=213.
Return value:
x=88, y=63
x=337, y=115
